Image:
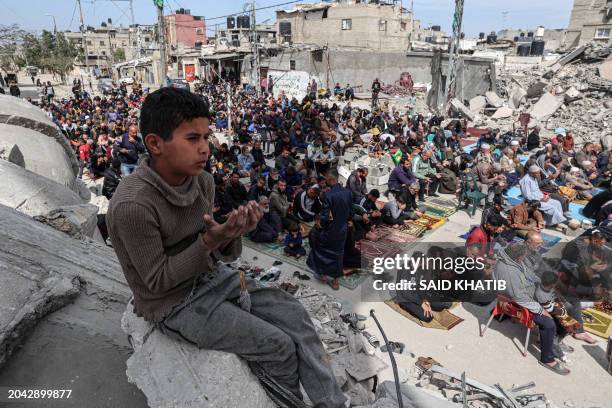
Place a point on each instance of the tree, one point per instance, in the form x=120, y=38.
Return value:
x=52, y=52
x=119, y=55
x=10, y=38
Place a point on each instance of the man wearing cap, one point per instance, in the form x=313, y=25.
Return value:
x=484, y=155
x=531, y=191
x=575, y=180
x=307, y=203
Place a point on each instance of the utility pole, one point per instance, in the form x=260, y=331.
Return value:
x=454, y=52
x=135, y=50
x=255, y=50
x=83, y=39
x=162, y=39
x=54, y=25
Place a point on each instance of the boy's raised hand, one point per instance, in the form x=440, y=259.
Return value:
x=240, y=221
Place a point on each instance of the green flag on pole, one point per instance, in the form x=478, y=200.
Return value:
x=159, y=3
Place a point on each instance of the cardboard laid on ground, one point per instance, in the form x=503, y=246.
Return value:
x=444, y=320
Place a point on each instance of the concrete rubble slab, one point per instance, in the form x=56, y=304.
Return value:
x=74, y=220
x=605, y=70
x=177, y=374
x=11, y=153
x=412, y=396
x=478, y=103
x=517, y=95
x=572, y=94
x=494, y=100
x=45, y=148
x=31, y=193
x=546, y=106
x=459, y=107
x=536, y=89
x=31, y=246
x=25, y=298
x=502, y=113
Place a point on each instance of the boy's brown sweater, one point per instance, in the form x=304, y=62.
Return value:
x=156, y=231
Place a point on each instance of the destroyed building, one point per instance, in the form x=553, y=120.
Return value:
x=373, y=25
x=591, y=20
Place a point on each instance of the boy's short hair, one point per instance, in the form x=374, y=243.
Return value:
x=165, y=109
x=549, y=278
x=294, y=227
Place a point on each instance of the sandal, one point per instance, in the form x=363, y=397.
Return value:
x=394, y=347
x=335, y=285
x=372, y=339
x=557, y=368
x=354, y=316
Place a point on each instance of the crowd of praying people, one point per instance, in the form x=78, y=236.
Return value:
x=283, y=154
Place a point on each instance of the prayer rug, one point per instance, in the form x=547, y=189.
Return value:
x=389, y=234
x=444, y=320
x=276, y=250
x=439, y=207
x=412, y=229
x=597, y=322
x=428, y=221
x=379, y=249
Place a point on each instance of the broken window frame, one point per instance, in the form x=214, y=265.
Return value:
x=599, y=30
x=347, y=24
x=382, y=25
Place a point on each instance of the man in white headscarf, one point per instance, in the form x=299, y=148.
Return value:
x=531, y=191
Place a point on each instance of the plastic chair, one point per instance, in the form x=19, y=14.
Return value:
x=505, y=307
x=470, y=192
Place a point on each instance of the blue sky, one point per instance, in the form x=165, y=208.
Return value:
x=479, y=15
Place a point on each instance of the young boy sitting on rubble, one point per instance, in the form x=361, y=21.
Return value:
x=171, y=252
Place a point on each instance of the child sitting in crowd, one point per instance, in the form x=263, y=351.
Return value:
x=293, y=242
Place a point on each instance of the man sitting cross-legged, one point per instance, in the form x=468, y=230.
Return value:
x=160, y=222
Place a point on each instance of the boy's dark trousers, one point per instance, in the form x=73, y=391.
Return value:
x=277, y=333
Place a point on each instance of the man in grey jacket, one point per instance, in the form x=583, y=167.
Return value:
x=357, y=184
x=521, y=284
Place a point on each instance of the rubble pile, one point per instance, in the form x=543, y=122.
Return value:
x=574, y=93
x=365, y=372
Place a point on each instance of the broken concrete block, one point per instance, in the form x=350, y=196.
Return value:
x=478, y=103
x=572, y=94
x=546, y=106
x=28, y=245
x=177, y=374
x=517, y=95
x=74, y=220
x=44, y=147
x=25, y=298
x=459, y=107
x=412, y=396
x=31, y=193
x=494, y=100
x=605, y=70
x=536, y=89
x=502, y=113
x=11, y=153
